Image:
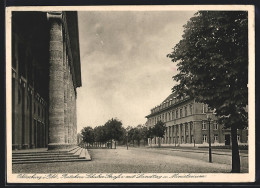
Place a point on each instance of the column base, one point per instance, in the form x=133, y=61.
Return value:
x=16, y=147
x=58, y=146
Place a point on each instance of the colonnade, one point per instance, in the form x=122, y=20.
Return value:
x=177, y=134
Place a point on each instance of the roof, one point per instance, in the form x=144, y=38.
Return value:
x=72, y=22
x=171, y=96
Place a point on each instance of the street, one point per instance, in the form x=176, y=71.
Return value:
x=141, y=160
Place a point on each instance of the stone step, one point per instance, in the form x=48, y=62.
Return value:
x=78, y=151
x=40, y=153
x=50, y=161
x=47, y=159
x=74, y=154
x=84, y=153
x=74, y=150
x=43, y=156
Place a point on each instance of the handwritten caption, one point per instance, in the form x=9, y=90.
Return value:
x=108, y=176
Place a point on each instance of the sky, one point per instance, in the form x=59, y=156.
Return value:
x=124, y=68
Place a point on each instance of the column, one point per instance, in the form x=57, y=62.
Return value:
x=75, y=118
x=56, y=83
x=179, y=134
x=184, y=133
x=189, y=132
x=176, y=141
x=172, y=134
x=66, y=123
x=69, y=108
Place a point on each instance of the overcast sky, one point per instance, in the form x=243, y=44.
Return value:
x=125, y=71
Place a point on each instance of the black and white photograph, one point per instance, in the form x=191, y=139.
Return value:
x=130, y=94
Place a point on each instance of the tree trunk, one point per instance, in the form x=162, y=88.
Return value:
x=235, y=152
x=159, y=142
x=111, y=144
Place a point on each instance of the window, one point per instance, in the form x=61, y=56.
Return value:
x=169, y=116
x=203, y=108
x=166, y=117
x=181, y=113
x=191, y=126
x=204, y=125
x=176, y=113
x=19, y=96
x=204, y=138
x=186, y=127
x=172, y=114
x=28, y=102
x=191, y=109
x=185, y=111
x=215, y=138
x=39, y=111
x=238, y=138
x=215, y=125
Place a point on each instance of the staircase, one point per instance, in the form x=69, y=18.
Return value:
x=43, y=156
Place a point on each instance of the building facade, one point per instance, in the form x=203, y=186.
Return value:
x=187, y=124
x=45, y=74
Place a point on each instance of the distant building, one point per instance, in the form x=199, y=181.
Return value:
x=45, y=74
x=187, y=123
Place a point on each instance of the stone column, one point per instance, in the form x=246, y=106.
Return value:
x=69, y=108
x=184, y=133
x=75, y=117
x=56, y=82
x=66, y=72
x=172, y=134
x=189, y=132
x=179, y=133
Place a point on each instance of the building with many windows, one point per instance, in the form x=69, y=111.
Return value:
x=187, y=123
x=45, y=74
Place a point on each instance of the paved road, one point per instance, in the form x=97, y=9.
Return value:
x=139, y=160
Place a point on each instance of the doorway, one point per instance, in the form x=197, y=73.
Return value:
x=227, y=139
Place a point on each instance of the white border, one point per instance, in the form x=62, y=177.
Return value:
x=209, y=177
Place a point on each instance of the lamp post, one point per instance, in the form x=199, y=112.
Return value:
x=209, y=119
x=127, y=140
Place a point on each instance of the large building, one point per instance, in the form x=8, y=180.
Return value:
x=187, y=124
x=45, y=74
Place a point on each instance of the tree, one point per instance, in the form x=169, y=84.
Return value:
x=131, y=134
x=144, y=134
x=100, y=134
x=137, y=135
x=212, y=60
x=150, y=133
x=88, y=135
x=114, y=130
x=159, y=130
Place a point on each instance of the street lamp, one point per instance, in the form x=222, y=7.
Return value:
x=127, y=140
x=209, y=114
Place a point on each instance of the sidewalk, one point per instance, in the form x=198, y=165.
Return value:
x=213, y=151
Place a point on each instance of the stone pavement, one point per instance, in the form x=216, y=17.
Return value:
x=138, y=160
